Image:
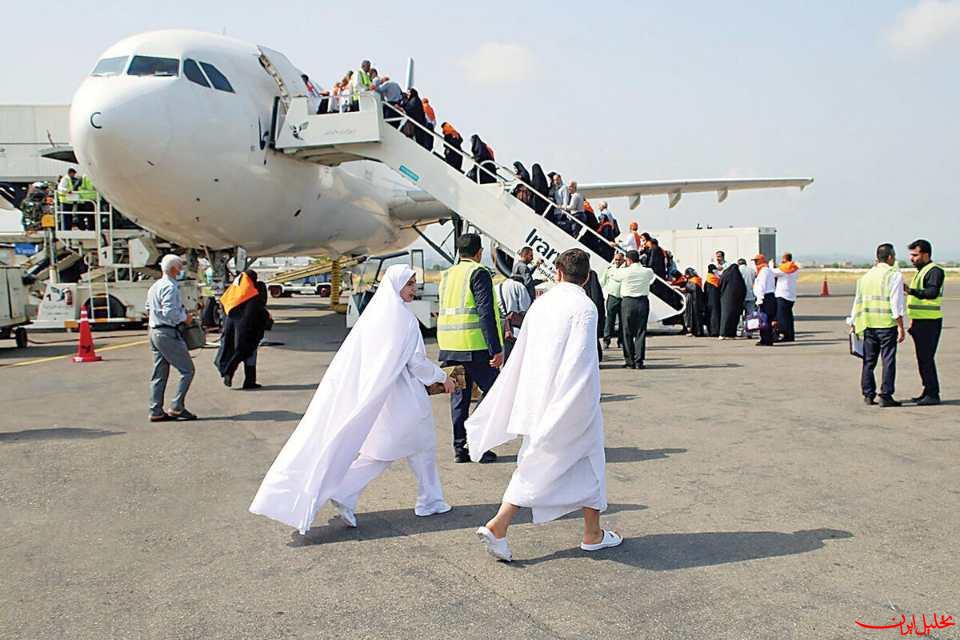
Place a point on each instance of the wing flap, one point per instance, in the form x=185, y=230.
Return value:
x=676, y=188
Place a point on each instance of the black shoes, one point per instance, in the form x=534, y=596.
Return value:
x=606, y=343
x=868, y=400
x=161, y=417
x=228, y=381
x=183, y=414
x=250, y=378
x=888, y=401
x=928, y=401
x=463, y=455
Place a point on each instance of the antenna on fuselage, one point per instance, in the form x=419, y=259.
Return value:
x=409, y=72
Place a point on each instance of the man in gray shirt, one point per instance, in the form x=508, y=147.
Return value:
x=166, y=344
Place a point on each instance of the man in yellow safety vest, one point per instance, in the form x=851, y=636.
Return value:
x=877, y=317
x=469, y=333
x=925, y=309
x=361, y=82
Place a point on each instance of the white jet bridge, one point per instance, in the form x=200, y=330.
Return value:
x=485, y=202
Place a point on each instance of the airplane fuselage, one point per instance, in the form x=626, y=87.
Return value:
x=192, y=163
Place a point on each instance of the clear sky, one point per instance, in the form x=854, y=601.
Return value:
x=863, y=96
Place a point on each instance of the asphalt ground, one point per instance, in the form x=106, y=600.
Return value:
x=758, y=496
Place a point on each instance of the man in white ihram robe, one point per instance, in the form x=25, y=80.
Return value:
x=370, y=409
x=549, y=393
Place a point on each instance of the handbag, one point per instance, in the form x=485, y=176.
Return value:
x=757, y=321
x=856, y=345
x=193, y=335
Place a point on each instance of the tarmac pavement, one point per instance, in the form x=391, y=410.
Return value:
x=758, y=496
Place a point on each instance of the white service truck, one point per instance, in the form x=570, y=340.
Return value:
x=426, y=304
x=13, y=305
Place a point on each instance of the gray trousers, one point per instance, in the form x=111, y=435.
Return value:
x=168, y=348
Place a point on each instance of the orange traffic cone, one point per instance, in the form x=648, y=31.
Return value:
x=824, y=288
x=85, y=350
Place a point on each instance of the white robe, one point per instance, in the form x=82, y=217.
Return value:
x=371, y=400
x=549, y=393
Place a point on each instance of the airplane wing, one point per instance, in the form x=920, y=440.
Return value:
x=676, y=188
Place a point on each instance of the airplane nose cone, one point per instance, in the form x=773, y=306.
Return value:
x=118, y=124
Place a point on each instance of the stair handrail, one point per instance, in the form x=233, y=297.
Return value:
x=507, y=183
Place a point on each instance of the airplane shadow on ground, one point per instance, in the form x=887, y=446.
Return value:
x=621, y=454
x=57, y=433
x=672, y=551
x=397, y=523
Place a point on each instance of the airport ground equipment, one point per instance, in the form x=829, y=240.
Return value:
x=334, y=138
x=307, y=280
x=426, y=302
x=117, y=266
x=13, y=305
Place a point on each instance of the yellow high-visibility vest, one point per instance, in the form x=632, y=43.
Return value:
x=922, y=309
x=872, y=309
x=458, y=326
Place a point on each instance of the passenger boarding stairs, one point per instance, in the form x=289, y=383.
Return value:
x=334, y=138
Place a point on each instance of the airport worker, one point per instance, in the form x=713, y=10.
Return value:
x=877, y=317
x=786, y=295
x=613, y=325
x=711, y=290
x=167, y=313
x=749, y=274
x=733, y=291
x=764, y=288
x=634, y=280
x=514, y=301
x=361, y=81
x=65, y=189
x=370, y=409
x=469, y=333
x=549, y=394
x=924, y=307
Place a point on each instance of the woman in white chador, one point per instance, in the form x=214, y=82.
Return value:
x=370, y=409
x=549, y=393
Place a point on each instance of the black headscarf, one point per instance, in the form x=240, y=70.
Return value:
x=521, y=172
x=414, y=108
x=479, y=149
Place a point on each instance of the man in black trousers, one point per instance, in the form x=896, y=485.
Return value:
x=925, y=310
x=469, y=333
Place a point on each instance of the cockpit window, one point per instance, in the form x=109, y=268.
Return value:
x=192, y=70
x=218, y=79
x=151, y=66
x=110, y=66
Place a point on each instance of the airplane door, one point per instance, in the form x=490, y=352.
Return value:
x=284, y=72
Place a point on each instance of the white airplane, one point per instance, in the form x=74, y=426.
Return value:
x=173, y=128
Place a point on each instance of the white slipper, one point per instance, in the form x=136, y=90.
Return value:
x=610, y=539
x=497, y=547
x=346, y=514
x=437, y=507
